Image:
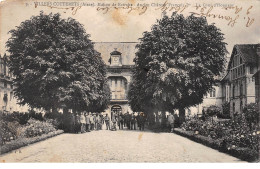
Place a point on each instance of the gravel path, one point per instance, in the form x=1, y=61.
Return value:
x=117, y=146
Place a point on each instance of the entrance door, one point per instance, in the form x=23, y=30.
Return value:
x=116, y=110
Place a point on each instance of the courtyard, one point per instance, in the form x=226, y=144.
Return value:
x=117, y=146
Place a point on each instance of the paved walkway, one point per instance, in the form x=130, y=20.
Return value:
x=117, y=146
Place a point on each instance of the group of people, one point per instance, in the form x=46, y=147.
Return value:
x=131, y=121
x=87, y=122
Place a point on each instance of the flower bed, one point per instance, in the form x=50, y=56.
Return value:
x=19, y=125
x=23, y=141
x=241, y=153
x=37, y=128
x=235, y=137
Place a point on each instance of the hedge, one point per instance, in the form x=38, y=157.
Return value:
x=245, y=154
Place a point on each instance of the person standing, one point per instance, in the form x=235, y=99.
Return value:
x=114, y=120
x=107, y=121
x=77, y=121
x=171, y=121
x=87, y=122
x=142, y=121
x=97, y=121
x=100, y=122
x=120, y=122
x=82, y=122
x=128, y=120
x=138, y=120
x=91, y=119
x=124, y=118
x=133, y=121
x=73, y=121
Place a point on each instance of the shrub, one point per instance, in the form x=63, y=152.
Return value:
x=213, y=110
x=251, y=114
x=9, y=131
x=37, y=128
x=226, y=108
x=225, y=113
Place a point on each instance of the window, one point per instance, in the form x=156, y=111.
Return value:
x=251, y=69
x=234, y=107
x=233, y=92
x=5, y=85
x=241, y=89
x=213, y=93
x=11, y=95
x=118, y=87
x=241, y=60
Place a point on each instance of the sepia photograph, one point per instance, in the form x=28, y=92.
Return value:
x=129, y=81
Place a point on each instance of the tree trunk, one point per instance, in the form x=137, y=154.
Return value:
x=65, y=110
x=163, y=118
x=181, y=115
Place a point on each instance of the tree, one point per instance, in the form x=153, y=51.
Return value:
x=176, y=63
x=55, y=64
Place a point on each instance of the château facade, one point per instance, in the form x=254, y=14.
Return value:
x=8, y=101
x=118, y=57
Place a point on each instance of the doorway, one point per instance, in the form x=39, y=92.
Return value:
x=116, y=110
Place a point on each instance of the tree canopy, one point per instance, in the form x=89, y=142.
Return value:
x=55, y=64
x=177, y=62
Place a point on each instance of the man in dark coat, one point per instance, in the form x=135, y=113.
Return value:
x=87, y=122
x=142, y=121
x=107, y=121
x=120, y=122
x=133, y=122
x=128, y=120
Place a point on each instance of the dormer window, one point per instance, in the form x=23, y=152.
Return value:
x=115, y=58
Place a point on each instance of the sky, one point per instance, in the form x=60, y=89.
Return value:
x=125, y=25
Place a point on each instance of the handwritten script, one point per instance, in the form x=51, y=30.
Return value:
x=231, y=13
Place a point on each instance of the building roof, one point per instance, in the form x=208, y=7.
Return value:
x=115, y=52
x=127, y=50
x=246, y=51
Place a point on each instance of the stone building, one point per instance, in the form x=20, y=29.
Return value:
x=119, y=59
x=8, y=102
x=239, y=85
x=213, y=97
